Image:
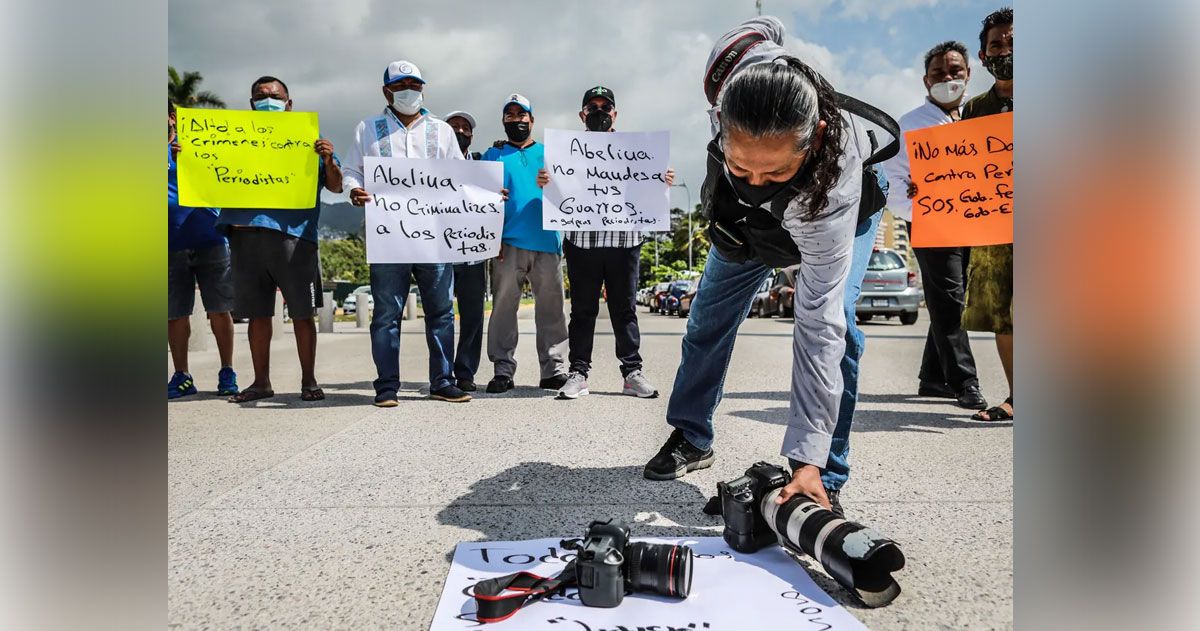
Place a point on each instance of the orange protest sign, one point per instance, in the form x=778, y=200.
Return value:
x=964, y=177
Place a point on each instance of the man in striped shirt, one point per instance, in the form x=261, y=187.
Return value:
x=608, y=259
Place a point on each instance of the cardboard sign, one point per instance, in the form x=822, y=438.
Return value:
x=731, y=591
x=246, y=159
x=433, y=211
x=606, y=181
x=964, y=177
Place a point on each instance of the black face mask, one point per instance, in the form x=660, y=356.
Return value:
x=598, y=120
x=763, y=194
x=517, y=131
x=464, y=141
x=1001, y=66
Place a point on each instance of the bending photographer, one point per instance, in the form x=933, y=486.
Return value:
x=785, y=181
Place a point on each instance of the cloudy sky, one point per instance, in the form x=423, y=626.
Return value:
x=473, y=54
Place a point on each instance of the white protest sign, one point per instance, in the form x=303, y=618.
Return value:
x=606, y=181
x=731, y=591
x=433, y=211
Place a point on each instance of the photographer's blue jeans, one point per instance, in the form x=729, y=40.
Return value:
x=390, y=283
x=720, y=306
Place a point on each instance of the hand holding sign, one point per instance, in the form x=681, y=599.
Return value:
x=598, y=181
x=235, y=159
x=432, y=211
x=962, y=182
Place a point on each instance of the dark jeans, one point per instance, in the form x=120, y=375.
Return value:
x=389, y=287
x=469, y=281
x=947, y=357
x=617, y=270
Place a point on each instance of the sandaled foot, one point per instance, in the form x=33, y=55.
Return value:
x=251, y=394
x=1002, y=412
x=312, y=393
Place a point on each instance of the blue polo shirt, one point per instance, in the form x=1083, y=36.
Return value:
x=523, y=210
x=188, y=228
x=300, y=223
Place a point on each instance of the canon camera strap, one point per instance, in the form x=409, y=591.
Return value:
x=499, y=598
x=875, y=116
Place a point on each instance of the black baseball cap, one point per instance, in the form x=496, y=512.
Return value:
x=599, y=91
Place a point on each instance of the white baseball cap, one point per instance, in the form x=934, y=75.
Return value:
x=519, y=100
x=398, y=70
x=470, y=119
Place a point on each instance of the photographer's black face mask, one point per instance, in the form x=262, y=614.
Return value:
x=771, y=193
x=517, y=131
x=598, y=120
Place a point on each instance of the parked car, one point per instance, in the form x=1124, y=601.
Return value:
x=889, y=289
x=350, y=304
x=678, y=288
x=658, y=296
x=685, y=301
x=758, y=305
x=644, y=294
x=781, y=297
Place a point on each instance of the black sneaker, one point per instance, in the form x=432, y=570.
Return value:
x=451, y=393
x=971, y=398
x=386, y=400
x=466, y=385
x=932, y=389
x=834, y=503
x=499, y=384
x=676, y=458
x=553, y=383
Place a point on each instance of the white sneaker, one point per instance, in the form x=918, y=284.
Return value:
x=575, y=387
x=637, y=385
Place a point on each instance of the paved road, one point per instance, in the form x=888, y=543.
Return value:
x=341, y=515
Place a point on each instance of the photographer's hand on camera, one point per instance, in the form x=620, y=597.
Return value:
x=806, y=480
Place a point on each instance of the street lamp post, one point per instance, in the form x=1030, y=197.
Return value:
x=684, y=186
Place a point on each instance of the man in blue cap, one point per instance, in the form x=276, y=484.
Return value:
x=527, y=252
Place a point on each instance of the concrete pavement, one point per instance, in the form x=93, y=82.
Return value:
x=336, y=514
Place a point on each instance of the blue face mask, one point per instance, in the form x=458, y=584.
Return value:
x=269, y=105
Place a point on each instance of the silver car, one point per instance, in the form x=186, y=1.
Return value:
x=889, y=289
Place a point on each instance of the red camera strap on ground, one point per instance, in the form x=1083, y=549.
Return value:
x=499, y=598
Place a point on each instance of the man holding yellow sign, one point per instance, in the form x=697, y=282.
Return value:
x=272, y=231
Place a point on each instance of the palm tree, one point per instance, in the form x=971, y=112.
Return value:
x=182, y=91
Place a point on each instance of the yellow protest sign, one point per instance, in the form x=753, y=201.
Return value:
x=245, y=159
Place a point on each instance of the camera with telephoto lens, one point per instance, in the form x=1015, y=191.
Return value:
x=607, y=565
x=857, y=557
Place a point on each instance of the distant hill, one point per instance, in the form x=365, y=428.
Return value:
x=340, y=220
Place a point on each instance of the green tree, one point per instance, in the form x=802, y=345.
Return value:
x=345, y=259
x=184, y=91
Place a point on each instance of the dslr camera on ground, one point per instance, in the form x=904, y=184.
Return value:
x=607, y=565
x=857, y=557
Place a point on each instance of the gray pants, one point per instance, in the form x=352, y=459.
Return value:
x=545, y=277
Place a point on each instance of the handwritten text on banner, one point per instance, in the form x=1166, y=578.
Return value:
x=433, y=211
x=964, y=177
x=729, y=588
x=606, y=181
x=236, y=159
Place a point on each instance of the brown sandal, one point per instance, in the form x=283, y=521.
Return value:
x=250, y=394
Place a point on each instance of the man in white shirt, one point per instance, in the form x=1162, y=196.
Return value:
x=406, y=130
x=947, y=367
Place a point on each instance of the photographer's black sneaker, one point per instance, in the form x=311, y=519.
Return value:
x=676, y=458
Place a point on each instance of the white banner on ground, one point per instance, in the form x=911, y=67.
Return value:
x=731, y=591
x=606, y=181
x=433, y=211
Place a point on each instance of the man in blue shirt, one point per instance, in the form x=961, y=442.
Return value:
x=197, y=255
x=527, y=252
x=273, y=248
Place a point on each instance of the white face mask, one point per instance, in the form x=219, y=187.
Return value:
x=407, y=102
x=948, y=92
x=270, y=105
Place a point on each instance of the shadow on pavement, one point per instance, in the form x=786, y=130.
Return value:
x=884, y=421
x=535, y=500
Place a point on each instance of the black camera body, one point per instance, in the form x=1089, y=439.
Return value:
x=856, y=556
x=607, y=566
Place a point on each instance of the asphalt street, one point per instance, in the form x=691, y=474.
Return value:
x=337, y=514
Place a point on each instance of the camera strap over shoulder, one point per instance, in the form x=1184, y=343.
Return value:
x=499, y=598
x=878, y=117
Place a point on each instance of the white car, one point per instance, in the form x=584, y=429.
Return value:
x=350, y=304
